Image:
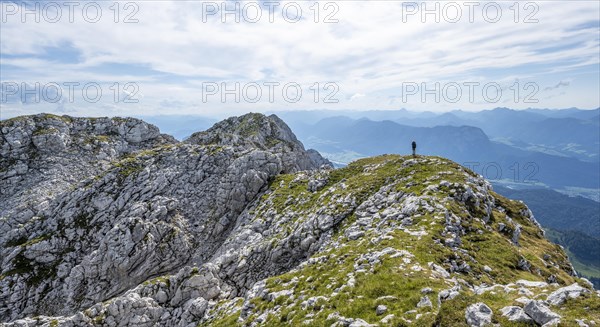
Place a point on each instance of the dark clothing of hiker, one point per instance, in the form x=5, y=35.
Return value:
x=414, y=148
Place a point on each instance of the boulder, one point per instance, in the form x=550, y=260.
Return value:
x=424, y=302
x=540, y=313
x=514, y=313
x=561, y=295
x=478, y=315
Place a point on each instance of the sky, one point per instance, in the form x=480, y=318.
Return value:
x=211, y=58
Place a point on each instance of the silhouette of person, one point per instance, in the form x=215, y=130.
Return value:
x=414, y=148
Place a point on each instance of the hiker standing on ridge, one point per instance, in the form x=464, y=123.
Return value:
x=414, y=147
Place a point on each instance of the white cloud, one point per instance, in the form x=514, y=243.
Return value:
x=357, y=96
x=369, y=51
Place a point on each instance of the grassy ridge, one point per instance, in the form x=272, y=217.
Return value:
x=397, y=281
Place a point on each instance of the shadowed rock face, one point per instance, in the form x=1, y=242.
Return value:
x=143, y=230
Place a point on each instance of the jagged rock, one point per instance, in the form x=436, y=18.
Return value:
x=316, y=184
x=516, y=234
x=354, y=234
x=449, y=294
x=501, y=227
x=523, y=264
x=523, y=300
x=540, y=313
x=119, y=223
x=262, y=132
x=484, y=288
x=381, y=309
x=528, y=283
x=439, y=270
x=561, y=295
x=347, y=322
x=478, y=315
x=197, y=307
x=513, y=313
x=424, y=302
x=313, y=301
x=46, y=154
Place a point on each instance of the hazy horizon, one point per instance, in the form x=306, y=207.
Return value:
x=231, y=114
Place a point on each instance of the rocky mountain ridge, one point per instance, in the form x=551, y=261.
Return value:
x=106, y=222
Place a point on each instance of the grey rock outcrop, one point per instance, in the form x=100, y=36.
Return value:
x=514, y=313
x=381, y=309
x=540, y=313
x=262, y=132
x=44, y=155
x=478, y=315
x=561, y=295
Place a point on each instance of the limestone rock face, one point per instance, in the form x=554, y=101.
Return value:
x=262, y=132
x=93, y=207
x=44, y=155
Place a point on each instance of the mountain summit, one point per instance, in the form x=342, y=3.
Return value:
x=259, y=131
x=106, y=222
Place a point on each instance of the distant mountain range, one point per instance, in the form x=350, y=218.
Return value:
x=523, y=148
x=573, y=222
x=498, y=161
x=569, y=132
x=558, y=211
